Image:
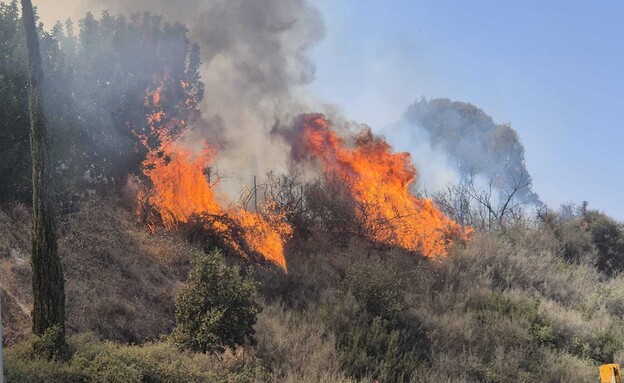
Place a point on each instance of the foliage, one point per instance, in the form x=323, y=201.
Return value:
x=96, y=361
x=51, y=344
x=96, y=78
x=217, y=309
x=588, y=234
x=48, y=279
x=506, y=306
x=608, y=237
x=375, y=348
x=375, y=335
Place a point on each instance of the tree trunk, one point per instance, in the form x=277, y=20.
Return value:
x=48, y=281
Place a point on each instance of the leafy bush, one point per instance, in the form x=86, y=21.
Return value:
x=376, y=289
x=218, y=307
x=608, y=237
x=374, y=347
x=51, y=344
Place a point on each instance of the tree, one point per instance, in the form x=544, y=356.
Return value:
x=217, y=309
x=15, y=171
x=48, y=281
x=122, y=72
x=473, y=142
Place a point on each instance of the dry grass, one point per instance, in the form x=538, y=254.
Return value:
x=15, y=272
x=506, y=307
x=121, y=281
x=297, y=346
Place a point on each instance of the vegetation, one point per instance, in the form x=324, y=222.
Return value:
x=217, y=309
x=97, y=361
x=48, y=281
x=529, y=297
x=96, y=77
x=508, y=306
x=473, y=142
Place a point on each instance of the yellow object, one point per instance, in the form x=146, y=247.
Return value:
x=610, y=373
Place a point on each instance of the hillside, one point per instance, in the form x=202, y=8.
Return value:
x=505, y=307
x=175, y=207
x=121, y=281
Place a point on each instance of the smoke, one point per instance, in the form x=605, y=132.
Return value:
x=450, y=140
x=255, y=67
x=435, y=169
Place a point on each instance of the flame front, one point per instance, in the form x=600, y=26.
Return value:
x=378, y=181
x=180, y=192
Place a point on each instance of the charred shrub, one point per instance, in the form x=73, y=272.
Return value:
x=286, y=195
x=332, y=208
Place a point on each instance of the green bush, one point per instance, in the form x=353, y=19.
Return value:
x=376, y=335
x=218, y=307
x=379, y=349
x=51, y=344
x=109, y=362
x=608, y=237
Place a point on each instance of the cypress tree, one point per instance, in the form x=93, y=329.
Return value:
x=48, y=282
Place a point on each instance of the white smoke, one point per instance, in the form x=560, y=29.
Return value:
x=435, y=170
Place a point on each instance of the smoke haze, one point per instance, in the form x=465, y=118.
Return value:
x=255, y=68
x=450, y=139
x=255, y=64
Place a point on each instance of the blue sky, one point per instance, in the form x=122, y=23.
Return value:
x=554, y=69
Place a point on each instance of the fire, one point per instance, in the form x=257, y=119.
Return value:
x=265, y=235
x=378, y=181
x=180, y=192
x=179, y=186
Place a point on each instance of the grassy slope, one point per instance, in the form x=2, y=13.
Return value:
x=504, y=308
x=121, y=281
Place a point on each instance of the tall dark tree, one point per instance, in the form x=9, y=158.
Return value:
x=48, y=282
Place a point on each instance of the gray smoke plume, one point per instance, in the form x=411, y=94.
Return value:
x=255, y=64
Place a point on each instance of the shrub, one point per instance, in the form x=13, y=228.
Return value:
x=380, y=349
x=109, y=362
x=608, y=237
x=298, y=346
x=218, y=307
x=376, y=289
x=376, y=335
x=51, y=344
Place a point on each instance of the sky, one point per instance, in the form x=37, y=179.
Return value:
x=553, y=69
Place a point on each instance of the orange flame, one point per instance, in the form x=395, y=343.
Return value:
x=378, y=181
x=180, y=191
x=179, y=186
x=265, y=236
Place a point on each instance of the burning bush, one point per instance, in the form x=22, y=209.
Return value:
x=366, y=189
x=288, y=196
x=178, y=192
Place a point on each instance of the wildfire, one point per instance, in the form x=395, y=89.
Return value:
x=378, y=181
x=180, y=192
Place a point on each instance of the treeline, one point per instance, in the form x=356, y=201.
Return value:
x=98, y=75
